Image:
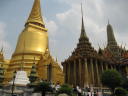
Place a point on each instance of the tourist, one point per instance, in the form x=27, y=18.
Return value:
x=89, y=93
x=95, y=94
x=85, y=91
x=74, y=90
x=79, y=90
x=53, y=87
x=57, y=86
x=99, y=93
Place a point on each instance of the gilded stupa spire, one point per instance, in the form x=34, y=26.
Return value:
x=110, y=35
x=108, y=21
x=112, y=45
x=83, y=33
x=35, y=16
x=84, y=47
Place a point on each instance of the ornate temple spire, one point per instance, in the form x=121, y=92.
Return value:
x=112, y=45
x=110, y=36
x=83, y=33
x=84, y=47
x=35, y=16
x=33, y=75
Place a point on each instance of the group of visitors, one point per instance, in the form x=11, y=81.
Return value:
x=79, y=91
x=55, y=87
x=86, y=91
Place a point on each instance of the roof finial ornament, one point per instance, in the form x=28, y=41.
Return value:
x=56, y=59
x=82, y=10
x=125, y=46
x=99, y=45
x=83, y=34
x=108, y=22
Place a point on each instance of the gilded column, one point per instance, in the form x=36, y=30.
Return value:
x=92, y=71
x=71, y=73
x=64, y=65
x=86, y=83
x=74, y=72
x=80, y=71
x=115, y=67
x=126, y=68
x=68, y=73
x=111, y=66
x=97, y=72
x=102, y=66
x=100, y=70
x=106, y=66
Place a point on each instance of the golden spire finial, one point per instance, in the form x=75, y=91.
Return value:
x=110, y=35
x=35, y=16
x=108, y=22
x=83, y=34
x=82, y=10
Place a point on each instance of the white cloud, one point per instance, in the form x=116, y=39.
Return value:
x=96, y=13
x=70, y=1
x=71, y=20
x=52, y=32
x=3, y=43
x=52, y=28
x=64, y=30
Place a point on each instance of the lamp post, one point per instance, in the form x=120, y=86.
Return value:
x=13, y=84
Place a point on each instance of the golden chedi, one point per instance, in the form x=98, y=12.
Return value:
x=32, y=44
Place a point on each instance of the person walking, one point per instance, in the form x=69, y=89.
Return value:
x=79, y=90
x=95, y=94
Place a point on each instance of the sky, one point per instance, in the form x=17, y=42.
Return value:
x=63, y=20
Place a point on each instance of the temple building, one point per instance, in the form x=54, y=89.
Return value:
x=33, y=47
x=118, y=55
x=85, y=66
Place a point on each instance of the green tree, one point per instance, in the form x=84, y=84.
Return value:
x=111, y=79
x=65, y=89
x=125, y=84
x=120, y=92
x=33, y=75
x=43, y=87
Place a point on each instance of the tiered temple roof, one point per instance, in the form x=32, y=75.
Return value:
x=113, y=51
x=84, y=47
